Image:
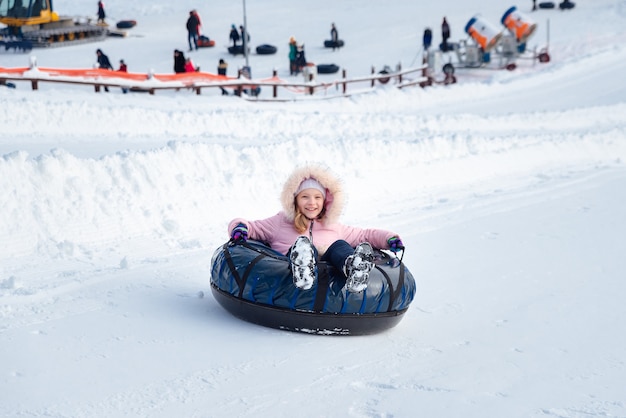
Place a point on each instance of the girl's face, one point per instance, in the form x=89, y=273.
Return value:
x=310, y=203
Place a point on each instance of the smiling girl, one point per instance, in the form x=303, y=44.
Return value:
x=308, y=228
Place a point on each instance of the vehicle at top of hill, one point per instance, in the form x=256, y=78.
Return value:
x=36, y=22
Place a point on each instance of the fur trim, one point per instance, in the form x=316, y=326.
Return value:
x=334, y=201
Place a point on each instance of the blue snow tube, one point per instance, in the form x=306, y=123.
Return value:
x=254, y=283
x=327, y=68
x=266, y=49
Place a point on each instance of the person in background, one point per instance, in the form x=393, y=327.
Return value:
x=189, y=67
x=300, y=59
x=293, y=52
x=427, y=39
x=445, y=34
x=193, y=30
x=312, y=201
x=101, y=14
x=222, y=67
x=245, y=39
x=103, y=63
x=123, y=69
x=334, y=36
x=179, y=61
x=234, y=35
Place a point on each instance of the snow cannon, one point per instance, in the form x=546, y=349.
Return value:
x=485, y=34
x=518, y=24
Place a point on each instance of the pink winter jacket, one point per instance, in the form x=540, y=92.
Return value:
x=279, y=231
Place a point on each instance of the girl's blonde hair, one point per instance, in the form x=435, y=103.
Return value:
x=301, y=222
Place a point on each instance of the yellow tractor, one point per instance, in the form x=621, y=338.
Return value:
x=35, y=22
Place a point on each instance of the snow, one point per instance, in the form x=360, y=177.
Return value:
x=507, y=189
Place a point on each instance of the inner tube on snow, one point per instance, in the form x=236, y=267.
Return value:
x=332, y=44
x=126, y=24
x=566, y=5
x=235, y=50
x=266, y=49
x=254, y=283
x=546, y=5
x=327, y=68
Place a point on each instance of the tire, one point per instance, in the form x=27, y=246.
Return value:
x=448, y=69
x=235, y=50
x=126, y=24
x=566, y=5
x=546, y=5
x=266, y=49
x=327, y=68
x=332, y=44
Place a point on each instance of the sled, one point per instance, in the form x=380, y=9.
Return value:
x=332, y=44
x=126, y=24
x=327, y=68
x=205, y=42
x=266, y=49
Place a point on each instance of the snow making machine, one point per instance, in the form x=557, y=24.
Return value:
x=34, y=23
x=502, y=46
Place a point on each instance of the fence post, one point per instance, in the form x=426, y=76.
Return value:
x=275, y=87
x=343, y=73
x=34, y=84
x=373, y=72
x=96, y=87
x=399, y=70
x=311, y=89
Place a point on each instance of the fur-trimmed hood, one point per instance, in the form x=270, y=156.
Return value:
x=334, y=201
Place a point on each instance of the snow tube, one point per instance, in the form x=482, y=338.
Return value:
x=126, y=24
x=327, y=68
x=546, y=5
x=254, y=283
x=266, y=49
x=333, y=44
x=235, y=50
x=205, y=42
x=566, y=5
x=23, y=45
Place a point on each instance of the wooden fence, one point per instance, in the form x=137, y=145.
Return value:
x=197, y=81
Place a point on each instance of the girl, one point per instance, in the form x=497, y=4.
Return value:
x=307, y=227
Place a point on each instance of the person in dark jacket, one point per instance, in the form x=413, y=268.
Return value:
x=193, y=30
x=179, y=61
x=427, y=39
x=222, y=67
x=104, y=63
x=234, y=35
x=445, y=34
x=245, y=38
x=101, y=14
x=334, y=36
x=103, y=60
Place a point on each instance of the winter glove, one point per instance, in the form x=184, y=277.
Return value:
x=239, y=233
x=395, y=244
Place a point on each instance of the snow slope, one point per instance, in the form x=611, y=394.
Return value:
x=507, y=189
